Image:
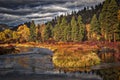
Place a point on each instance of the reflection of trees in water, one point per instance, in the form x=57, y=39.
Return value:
x=109, y=74
x=112, y=73
x=27, y=62
x=24, y=61
x=7, y=60
x=32, y=64
x=107, y=55
x=82, y=69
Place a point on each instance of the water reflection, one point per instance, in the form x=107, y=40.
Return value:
x=109, y=73
x=26, y=62
x=23, y=61
x=39, y=63
x=102, y=73
x=107, y=55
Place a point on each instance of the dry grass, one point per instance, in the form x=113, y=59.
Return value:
x=72, y=54
x=66, y=59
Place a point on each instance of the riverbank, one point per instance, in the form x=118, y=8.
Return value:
x=70, y=46
x=75, y=54
x=8, y=50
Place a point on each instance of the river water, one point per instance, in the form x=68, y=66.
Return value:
x=36, y=64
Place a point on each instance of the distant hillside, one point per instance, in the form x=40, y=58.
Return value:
x=3, y=27
x=14, y=28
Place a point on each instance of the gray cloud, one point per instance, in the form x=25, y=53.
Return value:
x=14, y=12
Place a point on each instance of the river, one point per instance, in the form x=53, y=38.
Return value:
x=36, y=64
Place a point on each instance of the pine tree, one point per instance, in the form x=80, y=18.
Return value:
x=56, y=33
x=47, y=32
x=75, y=30
x=33, y=34
x=95, y=27
x=118, y=31
x=108, y=20
x=67, y=33
x=104, y=19
x=38, y=32
x=81, y=35
x=63, y=25
x=114, y=28
x=119, y=15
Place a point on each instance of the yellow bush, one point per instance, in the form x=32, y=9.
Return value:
x=70, y=59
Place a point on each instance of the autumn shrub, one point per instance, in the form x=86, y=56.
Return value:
x=66, y=59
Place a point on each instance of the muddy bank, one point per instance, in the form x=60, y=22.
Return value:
x=9, y=50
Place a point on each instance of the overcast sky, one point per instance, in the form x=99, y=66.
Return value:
x=14, y=12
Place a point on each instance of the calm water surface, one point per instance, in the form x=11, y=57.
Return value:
x=36, y=64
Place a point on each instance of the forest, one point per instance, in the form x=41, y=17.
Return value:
x=84, y=45
x=96, y=23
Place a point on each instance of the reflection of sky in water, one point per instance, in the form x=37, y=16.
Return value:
x=29, y=63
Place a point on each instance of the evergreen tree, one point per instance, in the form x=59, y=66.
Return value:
x=118, y=38
x=119, y=15
x=104, y=19
x=62, y=26
x=75, y=30
x=33, y=34
x=108, y=20
x=47, y=32
x=67, y=33
x=95, y=27
x=56, y=32
x=114, y=23
x=81, y=35
x=38, y=32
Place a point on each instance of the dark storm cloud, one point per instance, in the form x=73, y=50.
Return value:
x=15, y=12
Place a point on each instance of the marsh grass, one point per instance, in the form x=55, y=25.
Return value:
x=67, y=59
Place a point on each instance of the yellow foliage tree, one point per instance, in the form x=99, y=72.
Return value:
x=16, y=36
x=24, y=33
x=41, y=30
x=8, y=34
x=2, y=36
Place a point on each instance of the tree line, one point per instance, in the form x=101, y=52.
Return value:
x=103, y=23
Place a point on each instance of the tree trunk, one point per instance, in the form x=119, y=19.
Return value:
x=109, y=37
x=106, y=36
x=114, y=37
